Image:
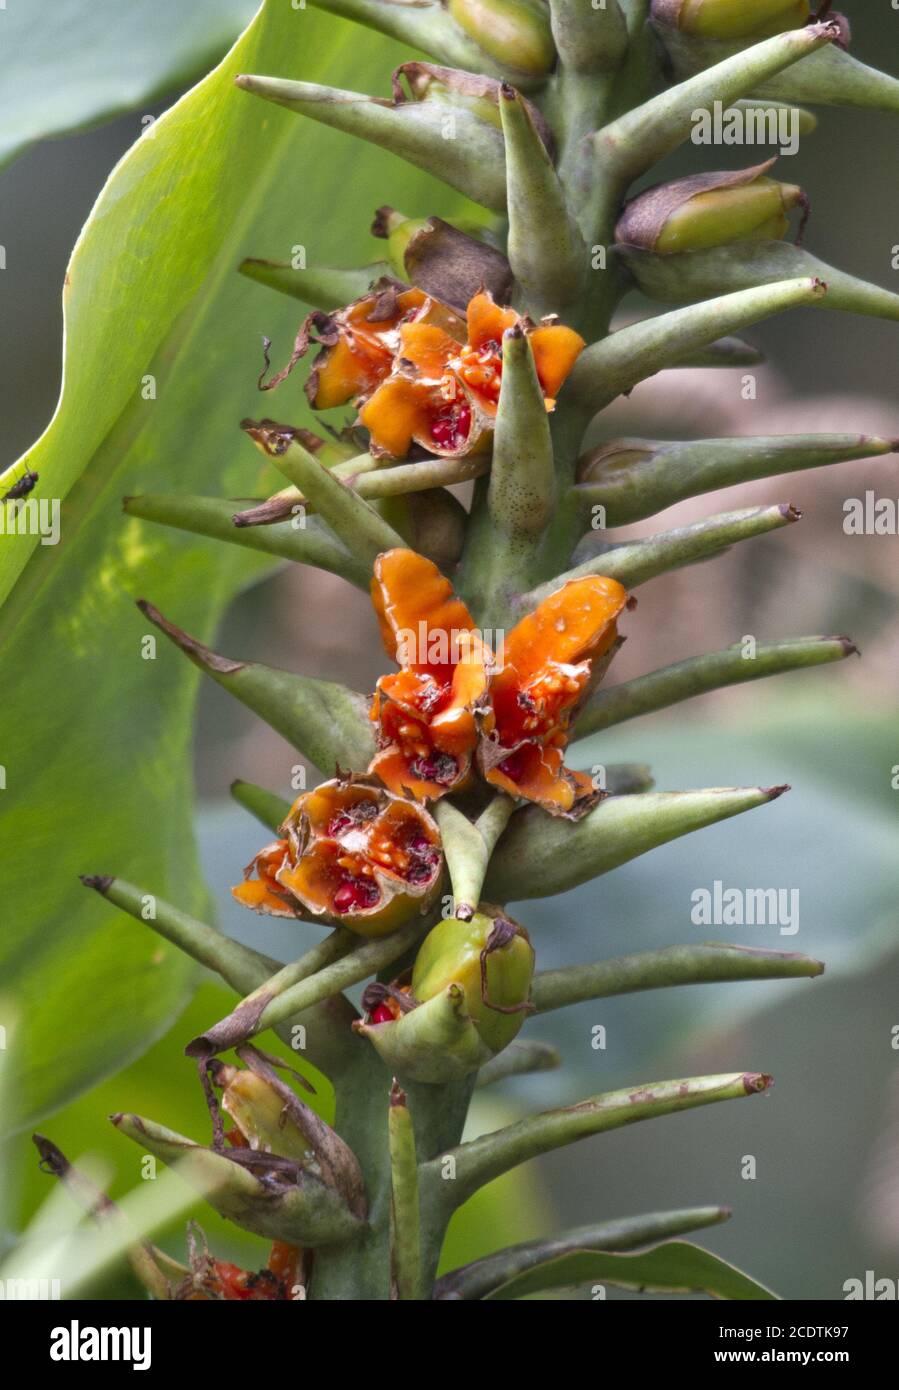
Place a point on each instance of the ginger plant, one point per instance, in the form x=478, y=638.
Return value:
x=481, y=354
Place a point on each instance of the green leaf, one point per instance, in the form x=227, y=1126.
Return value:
x=153, y=288
x=117, y=58
x=675, y=1266
x=482, y=1277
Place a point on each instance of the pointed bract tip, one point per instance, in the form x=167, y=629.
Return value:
x=101, y=882
x=507, y=91
x=243, y=80
x=756, y=1081
x=52, y=1159
x=397, y=1096
x=772, y=793
x=849, y=647
x=203, y=656
x=790, y=513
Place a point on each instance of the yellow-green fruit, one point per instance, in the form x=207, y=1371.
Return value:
x=515, y=33
x=453, y=952
x=755, y=212
x=258, y=1111
x=738, y=19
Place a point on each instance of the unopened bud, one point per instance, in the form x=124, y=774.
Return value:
x=732, y=19
x=705, y=210
x=515, y=33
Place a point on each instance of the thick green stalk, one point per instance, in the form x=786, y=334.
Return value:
x=321, y=286
x=631, y=479
x=636, y=562
x=620, y=362
x=243, y=1022
x=643, y=136
x=477, y=1163
x=518, y=1059
x=405, y=1222
x=326, y=722
x=324, y=1028
x=711, y=671
x=308, y=544
x=690, y=275
x=291, y=990
x=267, y=807
x=471, y=161
x=709, y=963
x=536, y=858
x=353, y=521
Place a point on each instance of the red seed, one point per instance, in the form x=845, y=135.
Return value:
x=354, y=893
x=440, y=768
x=513, y=766
x=451, y=428
x=339, y=824
x=380, y=1014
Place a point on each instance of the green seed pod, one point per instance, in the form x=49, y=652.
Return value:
x=731, y=19
x=397, y=230
x=467, y=1000
x=704, y=210
x=515, y=33
x=491, y=957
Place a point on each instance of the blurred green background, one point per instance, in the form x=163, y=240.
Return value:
x=824, y=1205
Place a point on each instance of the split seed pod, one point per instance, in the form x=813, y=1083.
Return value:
x=220, y=1281
x=350, y=854
x=284, y=1174
x=705, y=210
x=443, y=391
x=470, y=993
x=551, y=661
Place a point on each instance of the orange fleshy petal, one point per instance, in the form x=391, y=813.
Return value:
x=546, y=659
x=487, y=321
x=393, y=766
x=453, y=728
x=363, y=353
x=427, y=347
x=537, y=777
x=556, y=349
x=408, y=591
x=317, y=876
x=541, y=777
x=259, y=898
x=574, y=624
x=397, y=411
x=344, y=373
